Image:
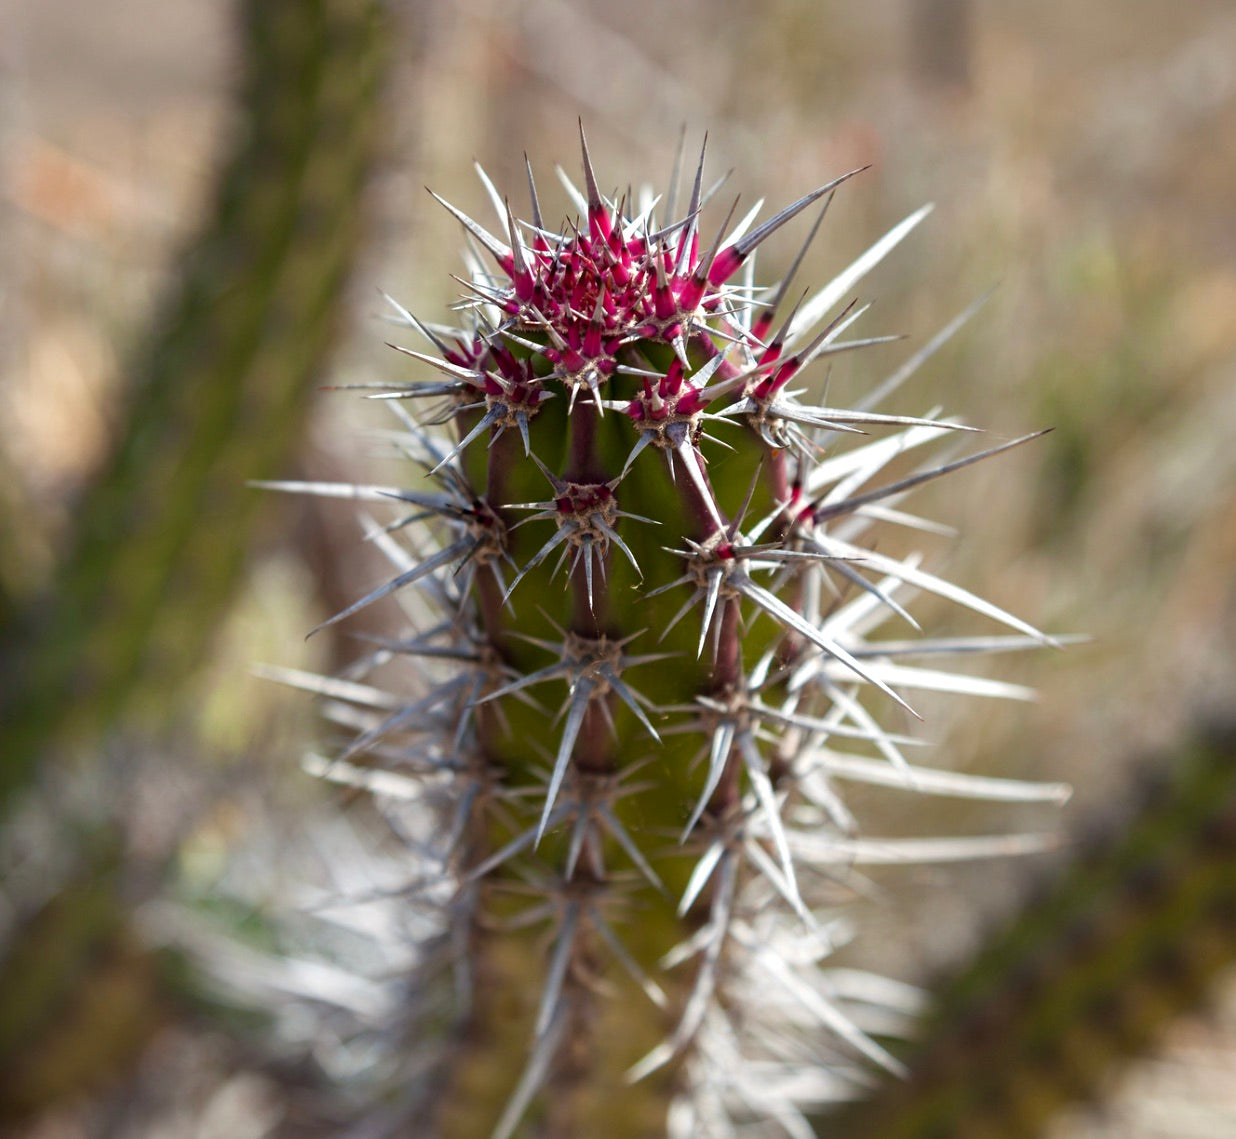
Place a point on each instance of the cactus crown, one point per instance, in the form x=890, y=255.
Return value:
x=647, y=641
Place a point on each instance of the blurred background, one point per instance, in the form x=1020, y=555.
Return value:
x=1082, y=159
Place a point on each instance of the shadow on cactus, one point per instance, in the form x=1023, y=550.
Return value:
x=651, y=640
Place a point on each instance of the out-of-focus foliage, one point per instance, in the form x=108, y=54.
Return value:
x=159, y=535
x=1104, y=955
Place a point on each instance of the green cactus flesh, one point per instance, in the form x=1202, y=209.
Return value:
x=645, y=607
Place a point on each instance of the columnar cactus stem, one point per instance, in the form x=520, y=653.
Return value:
x=1107, y=953
x=656, y=576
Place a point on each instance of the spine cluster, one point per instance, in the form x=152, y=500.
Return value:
x=650, y=641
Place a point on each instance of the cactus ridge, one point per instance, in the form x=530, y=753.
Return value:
x=638, y=683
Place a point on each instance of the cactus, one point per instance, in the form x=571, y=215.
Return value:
x=645, y=605
x=216, y=392
x=160, y=540
x=1105, y=954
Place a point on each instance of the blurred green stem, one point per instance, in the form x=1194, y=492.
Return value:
x=1127, y=939
x=218, y=394
x=218, y=398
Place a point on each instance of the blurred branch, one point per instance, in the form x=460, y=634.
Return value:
x=1111, y=952
x=940, y=41
x=78, y=997
x=10, y=544
x=218, y=396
